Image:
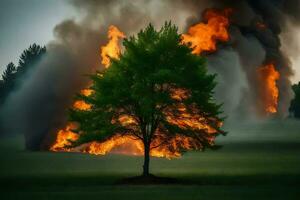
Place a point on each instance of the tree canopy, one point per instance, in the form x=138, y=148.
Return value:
x=13, y=75
x=30, y=57
x=157, y=92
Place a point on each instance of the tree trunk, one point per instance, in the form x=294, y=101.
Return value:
x=146, y=159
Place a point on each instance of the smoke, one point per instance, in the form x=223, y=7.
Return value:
x=256, y=27
x=274, y=15
x=230, y=79
x=38, y=108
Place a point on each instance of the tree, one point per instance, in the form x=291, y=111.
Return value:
x=295, y=103
x=30, y=57
x=8, y=80
x=9, y=73
x=13, y=76
x=156, y=92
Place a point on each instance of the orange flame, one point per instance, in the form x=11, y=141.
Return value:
x=81, y=105
x=112, y=49
x=118, y=144
x=125, y=144
x=63, y=138
x=203, y=37
x=267, y=76
x=65, y=135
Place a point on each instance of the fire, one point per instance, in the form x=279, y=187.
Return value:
x=185, y=119
x=267, y=76
x=118, y=144
x=86, y=92
x=112, y=49
x=204, y=36
x=124, y=144
x=81, y=105
x=65, y=135
x=63, y=138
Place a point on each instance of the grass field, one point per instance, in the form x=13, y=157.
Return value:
x=258, y=161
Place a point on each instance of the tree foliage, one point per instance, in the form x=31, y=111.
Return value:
x=295, y=103
x=30, y=57
x=13, y=76
x=8, y=80
x=155, y=79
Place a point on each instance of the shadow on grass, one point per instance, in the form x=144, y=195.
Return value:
x=117, y=179
x=148, y=180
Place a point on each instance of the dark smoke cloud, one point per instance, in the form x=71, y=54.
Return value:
x=273, y=14
x=39, y=107
x=254, y=48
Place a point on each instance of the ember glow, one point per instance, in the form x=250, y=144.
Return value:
x=261, y=26
x=112, y=49
x=269, y=92
x=204, y=36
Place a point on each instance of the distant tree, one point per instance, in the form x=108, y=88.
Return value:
x=8, y=80
x=29, y=58
x=9, y=73
x=295, y=103
x=156, y=82
x=13, y=76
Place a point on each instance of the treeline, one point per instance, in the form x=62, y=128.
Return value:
x=13, y=75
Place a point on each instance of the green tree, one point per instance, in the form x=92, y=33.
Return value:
x=29, y=58
x=13, y=76
x=295, y=103
x=8, y=80
x=156, y=82
x=9, y=73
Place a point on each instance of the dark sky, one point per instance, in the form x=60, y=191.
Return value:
x=23, y=22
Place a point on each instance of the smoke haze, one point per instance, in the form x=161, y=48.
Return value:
x=38, y=108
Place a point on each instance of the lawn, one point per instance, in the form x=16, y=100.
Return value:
x=260, y=161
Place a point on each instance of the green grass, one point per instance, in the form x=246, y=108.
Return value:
x=158, y=192
x=257, y=162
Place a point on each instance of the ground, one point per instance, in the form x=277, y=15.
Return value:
x=258, y=161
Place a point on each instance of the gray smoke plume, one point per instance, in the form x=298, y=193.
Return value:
x=274, y=14
x=38, y=108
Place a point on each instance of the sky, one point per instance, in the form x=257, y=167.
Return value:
x=24, y=22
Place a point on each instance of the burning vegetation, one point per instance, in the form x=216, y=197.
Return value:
x=201, y=37
x=204, y=35
x=247, y=88
x=112, y=49
x=269, y=93
x=196, y=128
